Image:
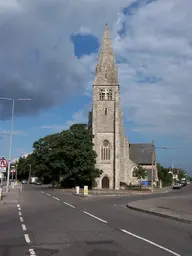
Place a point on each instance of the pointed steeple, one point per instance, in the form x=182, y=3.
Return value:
x=106, y=69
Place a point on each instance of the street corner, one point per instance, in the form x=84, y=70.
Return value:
x=160, y=211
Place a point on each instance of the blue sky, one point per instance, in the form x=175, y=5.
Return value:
x=51, y=58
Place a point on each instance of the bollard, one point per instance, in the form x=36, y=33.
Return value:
x=12, y=185
x=1, y=193
x=85, y=191
x=77, y=189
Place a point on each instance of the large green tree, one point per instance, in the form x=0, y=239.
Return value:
x=164, y=175
x=67, y=157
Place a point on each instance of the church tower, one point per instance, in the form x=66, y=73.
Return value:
x=106, y=117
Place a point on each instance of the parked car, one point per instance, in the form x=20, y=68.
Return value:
x=38, y=182
x=24, y=181
x=177, y=185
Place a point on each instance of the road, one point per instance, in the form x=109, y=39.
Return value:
x=56, y=223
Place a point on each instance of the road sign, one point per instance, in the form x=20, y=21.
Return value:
x=3, y=162
x=2, y=169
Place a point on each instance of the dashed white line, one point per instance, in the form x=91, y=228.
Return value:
x=20, y=214
x=91, y=215
x=27, y=239
x=150, y=242
x=24, y=227
x=56, y=198
x=18, y=205
x=70, y=205
x=42, y=192
x=21, y=219
x=48, y=194
x=32, y=252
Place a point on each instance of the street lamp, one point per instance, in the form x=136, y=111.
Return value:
x=11, y=134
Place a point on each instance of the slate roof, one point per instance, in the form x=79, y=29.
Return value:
x=141, y=153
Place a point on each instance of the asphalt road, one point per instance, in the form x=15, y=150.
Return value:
x=54, y=223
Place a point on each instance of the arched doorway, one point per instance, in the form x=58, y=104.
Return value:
x=105, y=182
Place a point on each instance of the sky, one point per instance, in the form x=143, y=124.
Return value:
x=48, y=53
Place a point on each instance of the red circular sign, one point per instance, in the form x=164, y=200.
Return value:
x=3, y=162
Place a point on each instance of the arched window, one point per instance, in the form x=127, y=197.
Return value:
x=105, y=151
x=101, y=94
x=105, y=94
x=110, y=97
x=105, y=111
x=134, y=172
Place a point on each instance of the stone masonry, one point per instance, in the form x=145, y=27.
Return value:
x=106, y=121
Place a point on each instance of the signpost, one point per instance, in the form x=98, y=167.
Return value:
x=3, y=167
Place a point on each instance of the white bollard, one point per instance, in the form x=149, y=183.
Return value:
x=77, y=189
x=85, y=191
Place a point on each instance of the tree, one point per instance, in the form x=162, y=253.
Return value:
x=140, y=173
x=67, y=157
x=164, y=175
x=23, y=166
x=181, y=174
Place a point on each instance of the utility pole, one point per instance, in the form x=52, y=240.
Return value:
x=152, y=169
x=11, y=136
x=10, y=145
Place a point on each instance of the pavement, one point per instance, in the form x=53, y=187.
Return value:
x=177, y=207
x=48, y=222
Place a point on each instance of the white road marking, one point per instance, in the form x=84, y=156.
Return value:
x=20, y=214
x=56, y=198
x=150, y=242
x=70, y=205
x=48, y=194
x=32, y=252
x=19, y=208
x=95, y=217
x=21, y=219
x=42, y=192
x=24, y=227
x=27, y=239
x=18, y=205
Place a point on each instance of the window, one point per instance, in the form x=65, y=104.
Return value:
x=101, y=94
x=105, y=94
x=106, y=74
x=134, y=172
x=105, y=151
x=105, y=111
x=110, y=95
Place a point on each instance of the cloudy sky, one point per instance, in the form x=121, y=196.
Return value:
x=48, y=52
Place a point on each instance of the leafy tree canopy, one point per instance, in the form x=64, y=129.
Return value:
x=66, y=157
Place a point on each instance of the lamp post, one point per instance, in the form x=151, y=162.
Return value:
x=11, y=135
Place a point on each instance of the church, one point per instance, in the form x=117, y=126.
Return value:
x=116, y=156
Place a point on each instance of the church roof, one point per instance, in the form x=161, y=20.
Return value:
x=141, y=153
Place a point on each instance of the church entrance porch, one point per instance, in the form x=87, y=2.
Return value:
x=105, y=182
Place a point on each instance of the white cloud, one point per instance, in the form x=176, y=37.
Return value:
x=36, y=52
x=155, y=70
x=84, y=31
x=15, y=133
x=80, y=116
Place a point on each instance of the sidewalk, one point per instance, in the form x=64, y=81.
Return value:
x=176, y=207
x=108, y=192
x=12, y=197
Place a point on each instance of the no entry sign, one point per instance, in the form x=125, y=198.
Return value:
x=3, y=162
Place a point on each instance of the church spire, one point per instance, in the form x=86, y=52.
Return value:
x=106, y=69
